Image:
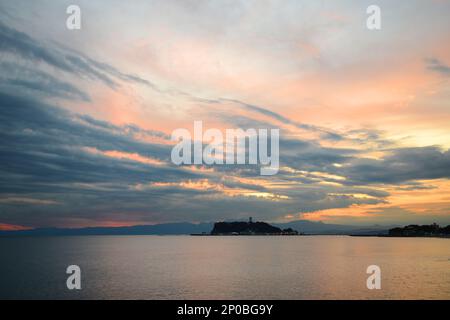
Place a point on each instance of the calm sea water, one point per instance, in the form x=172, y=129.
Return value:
x=184, y=267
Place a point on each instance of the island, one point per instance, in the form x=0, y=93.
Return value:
x=250, y=228
x=413, y=230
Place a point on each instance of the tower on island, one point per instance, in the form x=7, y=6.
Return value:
x=250, y=220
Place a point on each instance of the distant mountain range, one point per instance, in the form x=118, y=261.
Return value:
x=182, y=228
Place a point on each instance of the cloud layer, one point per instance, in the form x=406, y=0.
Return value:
x=86, y=142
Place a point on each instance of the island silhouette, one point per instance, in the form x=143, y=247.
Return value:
x=413, y=230
x=248, y=228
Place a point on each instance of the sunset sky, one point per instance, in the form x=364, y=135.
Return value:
x=86, y=115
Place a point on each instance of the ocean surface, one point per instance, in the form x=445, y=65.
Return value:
x=254, y=267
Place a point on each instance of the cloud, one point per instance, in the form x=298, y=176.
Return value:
x=45, y=147
x=70, y=167
x=325, y=133
x=21, y=44
x=25, y=79
x=61, y=167
x=50, y=150
x=438, y=66
x=399, y=166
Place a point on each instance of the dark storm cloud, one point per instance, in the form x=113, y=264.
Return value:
x=21, y=44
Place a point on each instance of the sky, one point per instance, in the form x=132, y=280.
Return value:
x=87, y=115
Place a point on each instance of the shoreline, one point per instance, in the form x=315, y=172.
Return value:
x=388, y=236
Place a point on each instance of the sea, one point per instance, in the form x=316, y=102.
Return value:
x=224, y=267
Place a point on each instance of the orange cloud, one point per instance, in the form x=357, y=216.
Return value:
x=125, y=155
x=12, y=227
x=430, y=199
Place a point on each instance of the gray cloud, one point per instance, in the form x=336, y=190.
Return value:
x=325, y=133
x=49, y=177
x=400, y=165
x=43, y=161
x=39, y=82
x=23, y=45
x=53, y=180
x=438, y=66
